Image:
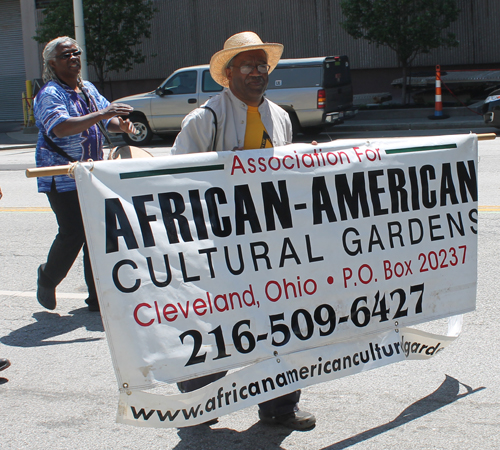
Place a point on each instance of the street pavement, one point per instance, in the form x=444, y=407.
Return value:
x=61, y=392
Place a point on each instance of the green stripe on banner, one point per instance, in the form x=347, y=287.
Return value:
x=155, y=173
x=421, y=149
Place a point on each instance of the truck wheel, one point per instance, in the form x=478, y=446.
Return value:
x=144, y=133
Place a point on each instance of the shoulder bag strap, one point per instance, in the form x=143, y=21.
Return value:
x=99, y=124
x=216, y=126
x=57, y=149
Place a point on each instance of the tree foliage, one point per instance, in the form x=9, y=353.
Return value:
x=113, y=30
x=409, y=27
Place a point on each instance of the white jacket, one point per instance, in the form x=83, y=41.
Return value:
x=198, y=126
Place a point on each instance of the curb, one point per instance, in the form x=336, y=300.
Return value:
x=389, y=125
x=115, y=140
x=16, y=146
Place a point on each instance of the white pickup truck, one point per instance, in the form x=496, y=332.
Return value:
x=316, y=93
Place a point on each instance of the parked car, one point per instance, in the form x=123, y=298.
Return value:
x=316, y=93
x=491, y=109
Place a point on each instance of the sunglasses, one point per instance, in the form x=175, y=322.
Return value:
x=261, y=68
x=76, y=54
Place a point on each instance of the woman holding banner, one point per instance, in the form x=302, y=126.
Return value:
x=71, y=116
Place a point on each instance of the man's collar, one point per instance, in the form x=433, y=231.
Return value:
x=236, y=100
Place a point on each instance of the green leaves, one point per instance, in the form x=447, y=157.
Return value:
x=113, y=30
x=408, y=27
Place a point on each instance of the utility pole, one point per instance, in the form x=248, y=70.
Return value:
x=80, y=35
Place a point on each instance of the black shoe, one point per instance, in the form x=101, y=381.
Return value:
x=93, y=304
x=45, y=296
x=4, y=363
x=298, y=420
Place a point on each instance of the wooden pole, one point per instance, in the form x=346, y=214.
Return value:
x=48, y=171
x=486, y=136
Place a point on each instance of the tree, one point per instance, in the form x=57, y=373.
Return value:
x=409, y=27
x=113, y=29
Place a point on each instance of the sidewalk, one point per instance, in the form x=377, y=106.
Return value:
x=412, y=119
x=27, y=138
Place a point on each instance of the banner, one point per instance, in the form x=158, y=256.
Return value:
x=281, y=263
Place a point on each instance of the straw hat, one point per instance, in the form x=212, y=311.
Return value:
x=242, y=42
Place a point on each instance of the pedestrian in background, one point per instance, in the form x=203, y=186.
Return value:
x=4, y=363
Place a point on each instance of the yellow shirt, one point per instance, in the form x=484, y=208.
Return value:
x=255, y=135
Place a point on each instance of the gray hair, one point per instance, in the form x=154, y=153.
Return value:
x=49, y=54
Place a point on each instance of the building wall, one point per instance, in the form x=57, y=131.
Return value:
x=188, y=32
x=12, y=71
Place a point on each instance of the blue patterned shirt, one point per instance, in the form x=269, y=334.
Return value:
x=54, y=104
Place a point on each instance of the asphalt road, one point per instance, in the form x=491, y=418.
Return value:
x=61, y=392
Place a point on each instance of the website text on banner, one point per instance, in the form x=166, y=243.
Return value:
x=215, y=261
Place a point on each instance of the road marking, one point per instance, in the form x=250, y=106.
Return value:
x=26, y=209
x=33, y=294
x=489, y=209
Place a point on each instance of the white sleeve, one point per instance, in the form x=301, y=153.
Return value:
x=196, y=133
x=289, y=130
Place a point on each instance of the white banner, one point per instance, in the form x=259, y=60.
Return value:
x=300, y=254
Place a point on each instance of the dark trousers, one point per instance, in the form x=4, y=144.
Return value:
x=67, y=243
x=276, y=407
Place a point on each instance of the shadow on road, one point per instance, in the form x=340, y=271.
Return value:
x=446, y=394
x=258, y=436
x=263, y=436
x=48, y=325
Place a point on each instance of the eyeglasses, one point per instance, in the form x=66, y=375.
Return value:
x=261, y=68
x=76, y=54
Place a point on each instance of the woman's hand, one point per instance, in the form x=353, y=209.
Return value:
x=116, y=109
x=126, y=126
x=75, y=125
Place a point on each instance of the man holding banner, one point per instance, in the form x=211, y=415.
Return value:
x=241, y=118
x=293, y=265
